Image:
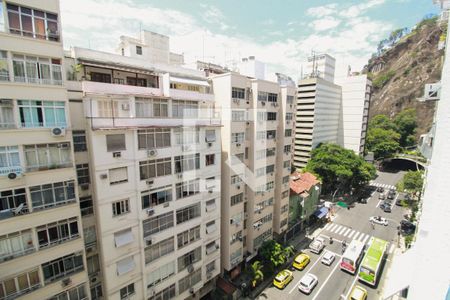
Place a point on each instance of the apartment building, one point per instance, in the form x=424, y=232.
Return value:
x=147, y=152
x=257, y=131
x=41, y=238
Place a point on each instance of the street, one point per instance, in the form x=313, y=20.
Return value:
x=348, y=225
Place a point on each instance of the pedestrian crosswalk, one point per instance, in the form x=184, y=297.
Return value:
x=383, y=185
x=346, y=232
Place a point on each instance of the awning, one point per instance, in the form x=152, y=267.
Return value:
x=189, y=81
x=125, y=265
x=123, y=238
x=342, y=204
x=321, y=212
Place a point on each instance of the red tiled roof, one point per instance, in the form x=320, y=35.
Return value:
x=302, y=182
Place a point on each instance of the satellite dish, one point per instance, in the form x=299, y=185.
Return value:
x=12, y=176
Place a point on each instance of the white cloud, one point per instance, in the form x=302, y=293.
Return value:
x=213, y=15
x=322, y=11
x=325, y=23
x=358, y=9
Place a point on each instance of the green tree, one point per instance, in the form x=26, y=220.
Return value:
x=257, y=273
x=274, y=253
x=406, y=124
x=382, y=121
x=413, y=181
x=339, y=168
x=382, y=142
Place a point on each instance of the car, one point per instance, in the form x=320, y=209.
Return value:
x=382, y=205
x=308, y=283
x=358, y=293
x=328, y=258
x=317, y=245
x=282, y=279
x=363, y=200
x=391, y=196
x=387, y=209
x=380, y=189
x=301, y=261
x=382, y=196
x=407, y=227
x=379, y=220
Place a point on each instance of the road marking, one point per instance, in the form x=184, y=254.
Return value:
x=336, y=229
x=351, y=233
x=351, y=286
x=341, y=231
x=366, y=238
x=379, y=202
x=361, y=237
x=328, y=225
x=356, y=235
x=391, y=248
x=312, y=266
x=332, y=227
x=324, y=283
x=347, y=231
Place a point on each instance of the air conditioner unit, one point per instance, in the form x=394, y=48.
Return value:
x=117, y=154
x=217, y=246
x=192, y=291
x=58, y=131
x=94, y=279
x=210, y=144
x=12, y=175
x=152, y=153
x=263, y=103
x=84, y=186
x=150, y=211
x=166, y=204
x=66, y=281
x=149, y=182
x=238, y=145
x=148, y=242
x=103, y=176
x=125, y=106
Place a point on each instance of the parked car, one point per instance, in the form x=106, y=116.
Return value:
x=379, y=220
x=308, y=283
x=380, y=189
x=301, y=261
x=407, y=227
x=328, y=258
x=317, y=245
x=283, y=279
x=387, y=209
x=382, y=206
x=382, y=196
x=358, y=293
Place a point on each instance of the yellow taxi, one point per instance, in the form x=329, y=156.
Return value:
x=358, y=293
x=301, y=261
x=282, y=279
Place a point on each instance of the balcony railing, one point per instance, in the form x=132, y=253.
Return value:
x=37, y=80
x=12, y=212
x=49, y=166
x=51, y=36
x=190, y=95
x=9, y=256
x=4, y=76
x=22, y=292
x=4, y=171
x=119, y=89
x=149, y=122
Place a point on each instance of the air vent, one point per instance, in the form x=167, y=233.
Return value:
x=117, y=154
x=58, y=131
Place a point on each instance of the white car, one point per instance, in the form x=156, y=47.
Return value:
x=317, y=245
x=379, y=220
x=328, y=258
x=308, y=283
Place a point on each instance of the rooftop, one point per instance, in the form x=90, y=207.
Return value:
x=302, y=182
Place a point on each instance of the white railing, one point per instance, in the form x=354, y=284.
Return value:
x=37, y=80
x=4, y=171
x=119, y=89
x=190, y=95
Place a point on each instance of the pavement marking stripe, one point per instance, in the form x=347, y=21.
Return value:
x=379, y=202
x=326, y=226
x=346, y=232
x=333, y=229
x=361, y=237
x=341, y=231
x=325, y=282
x=351, y=233
x=318, y=260
x=366, y=238
x=356, y=235
x=391, y=248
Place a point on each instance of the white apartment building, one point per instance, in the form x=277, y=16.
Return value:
x=41, y=238
x=257, y=120
x=148, y=156
x=320, y=65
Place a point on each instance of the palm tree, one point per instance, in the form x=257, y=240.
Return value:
x=257, y=273
x=289, y=251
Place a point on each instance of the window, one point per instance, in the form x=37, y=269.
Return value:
x=52, y=194
x=271, y=116
x=153, y=198
x=86, y=206
x=90, y=236
x=155, y=168
x=238, y=115
x=284, y=208
x=101, y=77
x=121, y=207
x=47, y=156
x=271, y=134
x=124, y=237
x=211, y=247
x=261, y=238
x=189, y=281
x=115, y=142
x=6, y=110
x=188, y=213
x=62, y=267
x=237, y=93
x=237, y=137
x=270, y=168
x=16, y=244
x=125, y=265
x=237, y=199
x=262, y=96
x=37, y=70
x=210, y=267
x=261, y=135
x=79, y=140
x=270, y=152
x=83, y=173
x=210, y=159
x=284, y=194
x=189, y=236
x=11, y=199
x=138, y=50
x=184, y=109
x=160, y=274
x=289, y=99
x=42, y=113
x=9, y=160
x=118, y=175
x=127, y=291
x=289, y=117
x=4, y=70
x=96, y=292
x=236, y=179
x=272, y=97
x=157, y=223
x=286, y=179
x=189, y=258
x=23, y=283
x=187, y=188
x=188, y=162
x=166, y=294
x=236, y=237
x=21, y=20
x=158, y=250
x=77, y=293
x=148, y=107
x=57, y=232
x=153, y=138
x=283, y=222
x=288, y=132
x=136, y=81
x=235, y=257
x=210, y=136
x=286, y=164
x=160, y=108
x=186, y=136
x=287, y=148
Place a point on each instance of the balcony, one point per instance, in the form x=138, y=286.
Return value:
x=32, y=80
x=46, y=167
x=92, y=87
x=190, y=95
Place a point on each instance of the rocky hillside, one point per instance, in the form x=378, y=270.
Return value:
x=400, y=73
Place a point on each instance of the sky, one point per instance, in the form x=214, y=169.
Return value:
x=280, y=33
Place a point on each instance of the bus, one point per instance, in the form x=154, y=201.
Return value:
x=352, y=256
x=370, y=265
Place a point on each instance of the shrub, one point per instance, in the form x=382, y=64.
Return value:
x=382, y=79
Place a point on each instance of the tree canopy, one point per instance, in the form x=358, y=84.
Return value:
x=274, y=253
x=413, y=181
x=406, y=124
x=339, y=168
x=383, y=143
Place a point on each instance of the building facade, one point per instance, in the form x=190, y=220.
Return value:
x=42, y=252
x=148, y=159
x=257, y=136
x=304, y=197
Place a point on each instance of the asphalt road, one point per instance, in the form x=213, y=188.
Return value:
x=335, y=284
